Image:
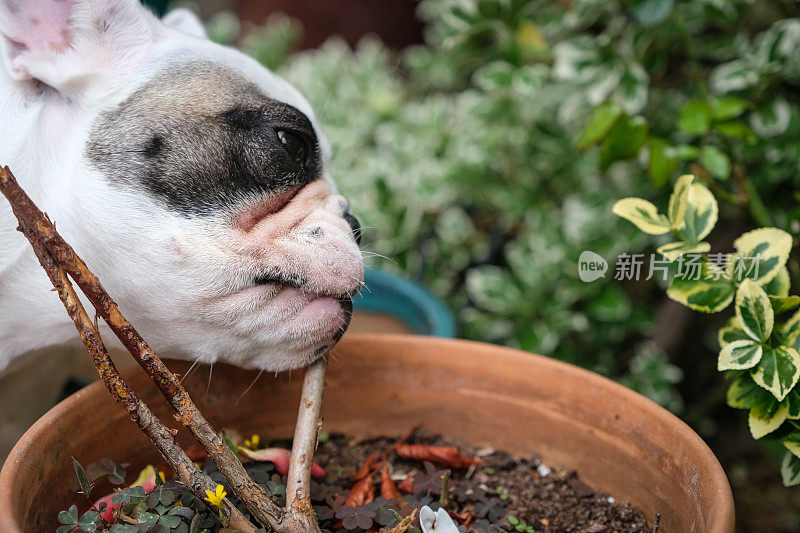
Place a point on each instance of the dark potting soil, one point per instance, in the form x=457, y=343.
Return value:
x=500, y=493
x=556, y=502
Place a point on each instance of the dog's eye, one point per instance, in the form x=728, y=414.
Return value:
x=295, y=145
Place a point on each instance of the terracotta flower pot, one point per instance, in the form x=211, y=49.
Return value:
x=619, y=441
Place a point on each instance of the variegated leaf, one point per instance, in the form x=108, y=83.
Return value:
x=792, y=400
x=754, y=311
x=790, y=470
x=790, y=331
x=743, y=393
x=643, y=214
x=674, y=250
x=739, y=355
x=760, y=256
x=780, y=284
x=763, y=422
x=732, y=331
x=701, y=213
x=778, y=370
x=781, y=304
x=678, y=201
x=707, y=294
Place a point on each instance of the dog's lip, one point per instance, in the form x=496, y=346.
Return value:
x=279, y=279
x=248, y=220
x=288, y=282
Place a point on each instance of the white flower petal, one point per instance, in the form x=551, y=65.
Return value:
x=439, y=522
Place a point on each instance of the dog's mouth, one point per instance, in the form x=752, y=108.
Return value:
x=281, y=281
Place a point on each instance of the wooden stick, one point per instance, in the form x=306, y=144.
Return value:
x=159, y=434
x=41, y=230
x=300, y=512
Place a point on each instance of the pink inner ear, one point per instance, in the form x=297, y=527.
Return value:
x=42, y=25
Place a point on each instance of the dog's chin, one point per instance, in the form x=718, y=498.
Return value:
x=311, y=332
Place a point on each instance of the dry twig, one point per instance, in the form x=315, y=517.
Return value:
x=161, y=436
x=42, y=234
x=300, y=512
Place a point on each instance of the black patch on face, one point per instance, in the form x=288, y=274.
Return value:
x=203, y=139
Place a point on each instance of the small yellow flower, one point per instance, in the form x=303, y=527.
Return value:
x=252, y=442
x=215, y=499
x=161, y=475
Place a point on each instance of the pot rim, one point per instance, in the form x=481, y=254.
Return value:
x=721, y=515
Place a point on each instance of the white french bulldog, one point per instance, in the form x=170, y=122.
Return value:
x=190, y=179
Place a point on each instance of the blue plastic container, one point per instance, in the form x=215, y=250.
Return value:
x=406, y=301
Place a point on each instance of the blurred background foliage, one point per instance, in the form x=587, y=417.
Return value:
x=483, y=161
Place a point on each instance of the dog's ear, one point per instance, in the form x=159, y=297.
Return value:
x=67, y=43
x=184, y=20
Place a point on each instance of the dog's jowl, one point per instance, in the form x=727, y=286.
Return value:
x=191, y=179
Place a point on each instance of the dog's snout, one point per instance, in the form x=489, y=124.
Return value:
x=355, y=227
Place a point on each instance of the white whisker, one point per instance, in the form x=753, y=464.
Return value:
x=208, y=385
x=248, y=388
x=186, y=375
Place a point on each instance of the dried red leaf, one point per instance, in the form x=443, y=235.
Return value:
x=362, y=493
x=407, y=485
x=366, y=467
x=446, y=456
x=280, y=457
x=388, y=488
x=464, y=518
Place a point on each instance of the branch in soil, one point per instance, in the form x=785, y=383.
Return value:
x=159, y=434
x=39, y=229
x=298, y=486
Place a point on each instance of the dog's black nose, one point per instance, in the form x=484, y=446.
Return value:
x=355, y=227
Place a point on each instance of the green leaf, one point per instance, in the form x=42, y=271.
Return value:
x=643, y=214
x=603, y=118
x=674, y=250
x=761, y=254
x=83, y=479
x=716, y=162
x=736, y=130
x=624, y=141
x=707, y=294
x=701, y=213
x=123, y=528
x=69, y=517
x=754, y=312
x=744, y=393
x=679, y=200
x=169, y=522
x=663, y=162
x=790, y=470
x=793, y=401
x=687, y=152
x=87, y=521
x=778, y=370
x=780, y=284
x=732, y=331
x=781, y=304
x=765, y=421
x=652, y=12
x=739, y=355
x=695, y=117
x=727, y=107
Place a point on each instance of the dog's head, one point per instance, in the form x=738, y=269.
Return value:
x=195, y=181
